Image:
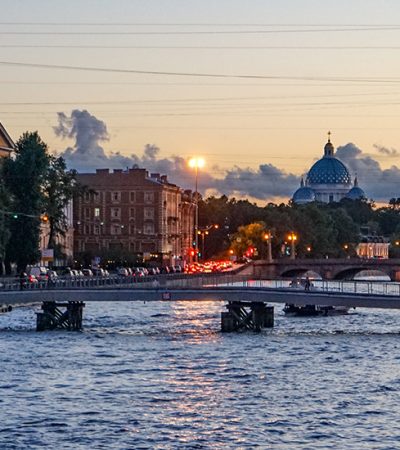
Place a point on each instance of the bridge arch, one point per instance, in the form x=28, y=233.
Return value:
x=301, y=273
x=350, y=273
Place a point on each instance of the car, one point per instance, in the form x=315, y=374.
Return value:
x=122, y=272
x=25, y=279
x=52, y=275
x=40, y=273
x=87, y=272
x=98, y=272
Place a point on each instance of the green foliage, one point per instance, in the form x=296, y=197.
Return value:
x=323, y=229
x=59, y=188
x=36, y=183
x=24, y=177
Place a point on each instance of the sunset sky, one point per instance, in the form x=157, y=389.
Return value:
x=252, y=86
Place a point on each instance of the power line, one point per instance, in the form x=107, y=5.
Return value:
x=202, y=32
x=200, y=24
x=197, y=74
x=205, y=47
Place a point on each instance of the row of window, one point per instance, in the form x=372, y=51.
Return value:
x=117, y=229
x=148, y=197
x=148, y=213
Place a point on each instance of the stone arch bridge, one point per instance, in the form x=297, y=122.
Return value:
x=328, y=269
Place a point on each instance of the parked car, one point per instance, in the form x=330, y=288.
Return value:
x=25, y=279
x=87, y=272
x=52, y=275
x=40, y=273
x=69, y=273
x=98, y=272
x=122, y=272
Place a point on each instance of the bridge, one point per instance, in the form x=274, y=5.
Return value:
x=328, y=269
x=225, y=288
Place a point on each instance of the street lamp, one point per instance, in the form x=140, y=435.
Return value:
x=196, y=163
x=203, y=232
x=268, y=237
x=292, y=238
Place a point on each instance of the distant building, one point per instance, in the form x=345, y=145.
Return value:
x=327, y=181
x=372, y=246
x=65, y=243
x=6, y=143
x=132, y=211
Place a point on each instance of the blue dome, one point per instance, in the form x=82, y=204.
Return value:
x=303, y=195
x=328, y=170
x=355, y=193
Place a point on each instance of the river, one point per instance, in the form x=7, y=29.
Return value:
x=162, y=376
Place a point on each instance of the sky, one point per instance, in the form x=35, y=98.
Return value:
x=253, y=87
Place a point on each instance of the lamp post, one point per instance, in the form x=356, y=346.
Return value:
x=196, y=163
x=292, y=238
x=203, y=232
x=268, y=237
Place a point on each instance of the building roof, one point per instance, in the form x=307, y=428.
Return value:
x=328, y=170
x=6, y=143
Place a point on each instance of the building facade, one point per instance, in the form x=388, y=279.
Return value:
x=6, y=143
x=328, y=180
x=130, y=211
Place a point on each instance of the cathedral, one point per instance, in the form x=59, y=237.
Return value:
x=327, y=181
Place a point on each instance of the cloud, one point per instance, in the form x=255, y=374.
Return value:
x=391, y=152
x=266, y=183
x=87, y=154
x=378, y=184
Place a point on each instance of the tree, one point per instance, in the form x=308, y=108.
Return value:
x=59, y=188
x=249, y=237
x=24, y=177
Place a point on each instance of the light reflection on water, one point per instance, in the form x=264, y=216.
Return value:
x=161, y=375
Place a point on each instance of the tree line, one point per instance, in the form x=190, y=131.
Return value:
x=35, y=187
x=322, y=229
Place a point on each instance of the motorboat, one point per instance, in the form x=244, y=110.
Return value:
x=291, y=309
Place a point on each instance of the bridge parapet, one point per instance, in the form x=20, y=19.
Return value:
x=328, y=269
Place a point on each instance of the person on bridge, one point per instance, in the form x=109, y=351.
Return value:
x=307, y=284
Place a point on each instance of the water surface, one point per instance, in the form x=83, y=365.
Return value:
x=161, y=375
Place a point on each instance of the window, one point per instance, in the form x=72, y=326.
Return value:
x=96, y=197
x=132, y=213
x=96, y=229
x=149, y=197
x=115, y=196
x=96, y=212
x=132, y=196
x=148, y=213
x=330, y=198
x=115, y=229
x=87, y=213
x=131, y=229
x=87, y=229
x=86, y=197
x=149, y=228
x=115, y=213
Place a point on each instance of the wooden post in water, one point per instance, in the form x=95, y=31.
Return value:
x=244, y=315
x=53, y=317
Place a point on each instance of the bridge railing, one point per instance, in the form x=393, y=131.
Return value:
x=197, y=281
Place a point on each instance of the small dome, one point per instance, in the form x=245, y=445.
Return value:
x=303, y=195
x=355, y=193
x=328, y=170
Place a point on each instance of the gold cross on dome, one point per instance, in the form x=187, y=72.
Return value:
x=329, y=136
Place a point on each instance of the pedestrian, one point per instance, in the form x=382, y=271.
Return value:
x=22, y=280
x=307, y=284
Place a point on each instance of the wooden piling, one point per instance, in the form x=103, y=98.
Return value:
x=53, y=317
x=244, y=315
